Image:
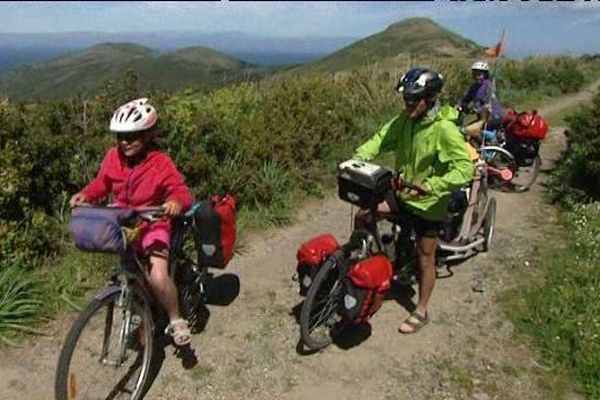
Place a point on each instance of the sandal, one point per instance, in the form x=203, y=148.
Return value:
x=415, y=326
x=179, y=330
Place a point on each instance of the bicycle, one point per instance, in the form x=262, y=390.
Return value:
x=513, y=164
x=124, y=321
x=320, y=320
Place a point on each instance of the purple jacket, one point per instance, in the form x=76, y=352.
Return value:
x=478, y=94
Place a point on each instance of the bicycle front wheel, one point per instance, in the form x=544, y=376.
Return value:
x=107, y=353
x=319, y=320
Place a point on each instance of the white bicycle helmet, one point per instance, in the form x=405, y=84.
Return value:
x=137, y=115
x=480, y=66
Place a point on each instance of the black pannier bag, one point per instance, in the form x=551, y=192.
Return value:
x=215, y=231
x=524, y=149
x=363, y=184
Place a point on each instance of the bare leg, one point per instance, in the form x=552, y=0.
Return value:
x=426, y=249
x=163, y=287
x=165, y=291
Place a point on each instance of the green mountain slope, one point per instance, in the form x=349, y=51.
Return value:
x=414, y=37
x=84, y=71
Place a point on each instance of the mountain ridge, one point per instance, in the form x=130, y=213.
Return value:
x=84, y=71
x=409, y=37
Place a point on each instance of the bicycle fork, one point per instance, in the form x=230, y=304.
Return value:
x=123, y=306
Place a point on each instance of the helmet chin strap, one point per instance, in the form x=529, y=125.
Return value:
x=432, y=102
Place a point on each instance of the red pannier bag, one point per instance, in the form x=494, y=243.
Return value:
x=364, y=288
x=525, y=125
x=311, y=256
x=215, y=227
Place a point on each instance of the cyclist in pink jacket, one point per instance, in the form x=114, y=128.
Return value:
x=137, y=174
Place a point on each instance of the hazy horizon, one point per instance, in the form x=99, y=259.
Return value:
x=547, y=27
x=277, y=33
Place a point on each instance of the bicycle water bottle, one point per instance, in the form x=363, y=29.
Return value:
x=489, y=136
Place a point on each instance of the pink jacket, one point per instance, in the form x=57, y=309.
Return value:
x=151, y=182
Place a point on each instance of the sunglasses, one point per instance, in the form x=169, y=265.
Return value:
x=129, y=136
x=411, y=102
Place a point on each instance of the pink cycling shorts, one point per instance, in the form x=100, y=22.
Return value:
x=156, y=235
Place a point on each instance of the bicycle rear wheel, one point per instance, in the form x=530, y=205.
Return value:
x=526, y=175
x=107, y=353
x=319, y=320
x=490, y=222
x=191, y=280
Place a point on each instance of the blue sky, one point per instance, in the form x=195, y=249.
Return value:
x=531, y=26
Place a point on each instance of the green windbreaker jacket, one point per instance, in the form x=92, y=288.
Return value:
x=430, y=151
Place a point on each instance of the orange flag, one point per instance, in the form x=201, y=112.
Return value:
x=496, y=51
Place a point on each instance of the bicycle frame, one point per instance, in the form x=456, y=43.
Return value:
x=129, y=280
x=465, y=243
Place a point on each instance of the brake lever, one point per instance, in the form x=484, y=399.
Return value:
x=401, y=185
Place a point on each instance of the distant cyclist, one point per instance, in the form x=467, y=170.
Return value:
x=481, y=96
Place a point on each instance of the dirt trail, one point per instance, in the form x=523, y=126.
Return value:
x=248, y=349
x=572, y=99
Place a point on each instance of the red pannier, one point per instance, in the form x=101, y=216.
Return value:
x=215, y=226
x=364, y=288
x=525, y=125
x=311, y=256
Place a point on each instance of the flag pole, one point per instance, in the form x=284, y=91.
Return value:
x=497, y=54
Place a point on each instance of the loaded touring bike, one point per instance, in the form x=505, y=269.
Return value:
x=511, y=151
x=108, y=352
x=345, y=284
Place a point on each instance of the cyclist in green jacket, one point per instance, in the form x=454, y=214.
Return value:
x=432, y=155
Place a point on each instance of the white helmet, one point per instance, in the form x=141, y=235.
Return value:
x=134, y=116
x=480, y=66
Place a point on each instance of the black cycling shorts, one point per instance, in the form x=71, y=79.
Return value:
x=423, y=227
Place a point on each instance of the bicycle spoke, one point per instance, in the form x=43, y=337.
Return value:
x=118, y=339
x=325, y=311
x=325, y=314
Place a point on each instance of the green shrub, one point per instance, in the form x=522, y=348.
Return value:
x=577, y=177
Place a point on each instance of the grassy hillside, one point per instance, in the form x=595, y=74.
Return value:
x=82, y=72
x=408, y=38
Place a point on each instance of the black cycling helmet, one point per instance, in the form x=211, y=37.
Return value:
x=418, y=83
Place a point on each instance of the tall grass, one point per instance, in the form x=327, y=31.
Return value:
x=558, y=304
x=21, y=299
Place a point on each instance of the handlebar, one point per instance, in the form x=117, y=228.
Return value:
x=467, y=110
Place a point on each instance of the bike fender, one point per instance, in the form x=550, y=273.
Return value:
x=497, y=148
x=106, y=292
